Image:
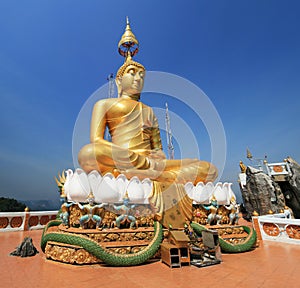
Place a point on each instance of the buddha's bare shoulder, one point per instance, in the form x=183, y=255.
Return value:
x=111, y=102
x=107, y=102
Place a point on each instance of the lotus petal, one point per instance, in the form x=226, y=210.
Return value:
x=189, y=189
x=122, y=183
x=226, y=191
x=78, y=186
x=207, y=193
x=69, y=175
x=135, y=190
x=107, y=190
x=198, y=195
x=230, y=192
x=147, y=187
x=94, y=179
x=220, y=194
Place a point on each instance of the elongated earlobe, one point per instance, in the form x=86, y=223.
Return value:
x=118, y=80
x=119, y=86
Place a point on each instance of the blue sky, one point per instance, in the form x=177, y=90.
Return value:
x=54, y=54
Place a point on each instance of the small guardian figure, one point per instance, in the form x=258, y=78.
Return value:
x=90, y=210
x=213, y=216
x=234, y=212
x=125, y=210
x=64, y=215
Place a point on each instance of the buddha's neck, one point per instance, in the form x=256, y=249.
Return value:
x=135, y=97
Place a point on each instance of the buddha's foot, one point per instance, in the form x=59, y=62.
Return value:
x=161, y=176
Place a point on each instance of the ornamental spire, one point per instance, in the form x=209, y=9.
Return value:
x=128, y=45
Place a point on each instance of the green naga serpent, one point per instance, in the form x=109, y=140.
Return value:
x=142, y=256
x=227, y=247
x=100, y=252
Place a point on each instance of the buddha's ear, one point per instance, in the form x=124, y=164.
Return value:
x=118, y=83
x=118, y=80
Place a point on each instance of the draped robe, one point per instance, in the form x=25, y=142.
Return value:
x=135, y=134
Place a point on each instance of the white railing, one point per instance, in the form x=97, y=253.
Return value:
x=282, y=168
x=23, y=221
x=278, y=227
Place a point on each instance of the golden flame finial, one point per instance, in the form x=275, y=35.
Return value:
x=128, y=45
x=249, y=154
x=126, y=196
x=91, y=196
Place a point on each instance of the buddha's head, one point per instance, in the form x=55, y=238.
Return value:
x=130, y=79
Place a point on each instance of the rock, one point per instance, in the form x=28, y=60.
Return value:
x=25, y=249
x=291, y=188
x=261, y=193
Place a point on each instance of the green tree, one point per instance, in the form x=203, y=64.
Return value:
x=11, y=205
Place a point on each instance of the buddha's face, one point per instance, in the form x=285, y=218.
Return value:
x=132, y=81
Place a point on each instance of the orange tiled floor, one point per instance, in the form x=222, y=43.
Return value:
x=270, y=265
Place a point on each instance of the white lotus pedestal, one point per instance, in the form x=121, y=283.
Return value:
x=110, y=189
x=139, y=234
x=172, y=203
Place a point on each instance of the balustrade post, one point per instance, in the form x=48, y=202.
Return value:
x=256, y=226
x=26, y=220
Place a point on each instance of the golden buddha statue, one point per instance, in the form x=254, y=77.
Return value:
x=135, y=148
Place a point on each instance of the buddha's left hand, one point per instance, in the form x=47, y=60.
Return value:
x=157, y=155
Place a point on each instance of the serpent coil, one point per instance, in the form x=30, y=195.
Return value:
x=100, y=252
x=228, y=247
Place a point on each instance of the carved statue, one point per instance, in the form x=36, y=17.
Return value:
x=64, y=215
x=243, y=167
x=90, y=210
x=135, y=148
x=213, y=216
x=234, y=211
x=125, y=210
